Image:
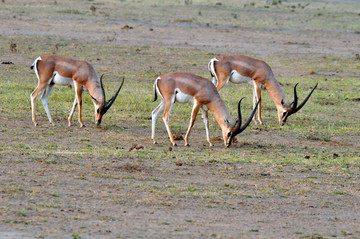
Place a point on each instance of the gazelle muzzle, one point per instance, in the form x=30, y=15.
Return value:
x=107, y=104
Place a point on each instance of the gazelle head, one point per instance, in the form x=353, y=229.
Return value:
x=101, y=107
x=289, y=109
x=229, y=133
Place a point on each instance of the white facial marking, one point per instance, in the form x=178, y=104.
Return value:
x=237, y=78
x=183, y=98
x=60, y=80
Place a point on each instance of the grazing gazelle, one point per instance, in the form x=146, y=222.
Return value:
x=186, y=87
x=244, y=69
x=62, y=70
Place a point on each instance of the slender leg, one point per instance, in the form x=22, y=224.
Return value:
x=168, y=106
x=155, y=114
x=95, y=114
x=78, y=90
x=257, y=95
x=33, y=96
x=44, y=99
x=194, y=112
x=222, y=80
x=72, y=111
x=206, y=122
x=254, y=103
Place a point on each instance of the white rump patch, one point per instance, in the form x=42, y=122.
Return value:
x=35, y=66
x=183, y=98
x=212, y=71
x=236, y=78
x=156, y=87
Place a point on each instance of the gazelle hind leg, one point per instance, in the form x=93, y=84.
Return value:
x=154, y=115
x=168, y=106
x=33, y=97
x=44, y=99
x=223, y=79
x=194, y=112
x=206, y=122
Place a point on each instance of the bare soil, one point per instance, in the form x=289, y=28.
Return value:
x=73, y=193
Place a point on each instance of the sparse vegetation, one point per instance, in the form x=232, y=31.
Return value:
x=86, y=182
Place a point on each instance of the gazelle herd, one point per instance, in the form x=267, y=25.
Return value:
x=173, y=87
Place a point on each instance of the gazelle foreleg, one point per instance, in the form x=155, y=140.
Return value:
x=44, y=99
x=256, y=97
x=72, y=110
x=206, y=122
x=194, y=112
x=79, y=90
x=154, y=115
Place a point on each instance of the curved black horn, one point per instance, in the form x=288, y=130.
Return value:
x=102, y=87
x=250, y=118
x=238, y=125
x=306, y=99
x=112, y=100
x=238, y=129
x=295, y=109
x=294, y=103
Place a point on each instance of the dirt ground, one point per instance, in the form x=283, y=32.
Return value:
x=58, y=182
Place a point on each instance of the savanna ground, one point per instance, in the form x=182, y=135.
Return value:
x=297, y=181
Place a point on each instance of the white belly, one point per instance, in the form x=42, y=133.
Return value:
x=60, y=80
x=236, y=78
x=183, y=98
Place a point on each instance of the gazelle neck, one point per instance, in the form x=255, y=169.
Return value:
x=276, y=93
x=97, y=93
x=221, y=113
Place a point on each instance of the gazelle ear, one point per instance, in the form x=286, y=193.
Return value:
x=95, y=100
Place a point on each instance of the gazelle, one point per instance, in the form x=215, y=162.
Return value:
x=62, y=70
x=186, y=87
x=244, y=69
